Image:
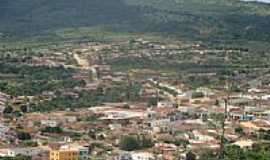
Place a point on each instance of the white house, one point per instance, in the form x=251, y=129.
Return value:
x=164, y=104
x=142, y=156
x=49, y=123
x=136, y=156
x=31, y=151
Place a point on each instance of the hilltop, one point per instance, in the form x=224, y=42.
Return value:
x=211, y=20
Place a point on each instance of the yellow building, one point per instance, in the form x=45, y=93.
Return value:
x=64, y=154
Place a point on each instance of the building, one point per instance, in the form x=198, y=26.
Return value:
x=244, y=143
x=83, y=153
x=29, y=151
x=49, y=123
x=64, y=154
x=70, y=153
x=164, y=104
x=136, y=156
x=3, y=100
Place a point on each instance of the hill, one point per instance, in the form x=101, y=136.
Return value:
x=214, y=21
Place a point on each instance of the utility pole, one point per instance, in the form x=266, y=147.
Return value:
x=222, y=137
x=129, y=86
x=157, y=92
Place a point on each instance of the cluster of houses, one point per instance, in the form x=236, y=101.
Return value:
x=179, y=120
x=189, y=121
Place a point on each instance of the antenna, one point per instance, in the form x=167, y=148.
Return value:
x=129, y=76
x=222, y=137
x=157, y=92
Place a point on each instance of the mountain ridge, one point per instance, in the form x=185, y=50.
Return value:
x=224, y=20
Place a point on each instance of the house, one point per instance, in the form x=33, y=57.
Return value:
x=206, y=91
x=136, y=156
x=244, y=143
x=238, y=114
x=63, y=154
x=159, y=124
x=202, y=137
x=115, y=126
x=3, y=100
x=71, y=119
x=83, y=153
x=164, y=104
x=3, y=131
x=69, y=152
x=49, y=123
x=142, y=156
x=30, y=151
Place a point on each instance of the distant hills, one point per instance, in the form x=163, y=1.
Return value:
x=211, y=20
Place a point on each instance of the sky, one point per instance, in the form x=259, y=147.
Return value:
x=264, y=1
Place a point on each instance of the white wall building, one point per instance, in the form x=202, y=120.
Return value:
x=49, y=123
x=136, y=156
x=31, y=151
x=165, y=104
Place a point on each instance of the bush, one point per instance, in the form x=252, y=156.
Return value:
x=130, y=143
x=23, y=136
x=29, y=143
x=52, y=130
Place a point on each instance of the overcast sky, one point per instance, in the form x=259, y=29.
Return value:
x=265, y=1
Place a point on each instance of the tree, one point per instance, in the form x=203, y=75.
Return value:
x=24, y=108
x=23, y=136
x=217, y=103
x=152, y=101
x=52, y=130
x=234, y=153
x=239, y=131
x=207, y=154
x=8, y=110
x=146, y=142
x=19, y=157
x=129, y=143
x=30, y=143
x=190, y=156
x=197, y=95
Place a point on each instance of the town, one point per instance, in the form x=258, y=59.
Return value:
x=132, y=100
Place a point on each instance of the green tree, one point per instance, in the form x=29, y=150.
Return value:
x=8, y=110
x=129, y=143
x=234, y=153
x=190, y=156
x=52, y=130
x=146, y=142
x=207, y=154
x=23, y=136
x=239, y=131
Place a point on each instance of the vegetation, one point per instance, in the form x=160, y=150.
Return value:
x=130, y=143
x=258, y=151
x=89, y=98
x=29, y=81
x=52, y=130
x=222, y=22
x=16, y=158
x=23, y=136
x=30, y=143
x=264, y=134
